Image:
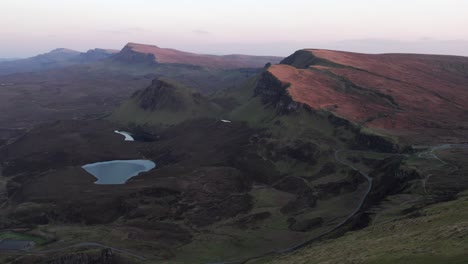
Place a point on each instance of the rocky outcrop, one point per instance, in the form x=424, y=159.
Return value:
x=374, y=142
x=302, y=59
x=93, y=55
x=273, y=93
x=389, y=178
x=128, y=55
x=159, y=95
x=340, y=122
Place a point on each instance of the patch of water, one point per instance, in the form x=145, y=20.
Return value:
x=118, y=171
x=128, y=136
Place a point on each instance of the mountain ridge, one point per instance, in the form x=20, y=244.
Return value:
x=173, y=56
x=381, y=91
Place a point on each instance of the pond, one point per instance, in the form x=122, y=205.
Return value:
x=118, y=171
x=128, y=136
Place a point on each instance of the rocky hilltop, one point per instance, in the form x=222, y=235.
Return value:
x=386, y=92
x=165, y=102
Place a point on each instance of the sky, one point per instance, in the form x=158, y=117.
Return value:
x=272, y=27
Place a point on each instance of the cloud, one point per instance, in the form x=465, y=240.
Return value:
x=427, y=46
x=137, y=29
x=124, y=31
x=201, y=32
x=114, y=32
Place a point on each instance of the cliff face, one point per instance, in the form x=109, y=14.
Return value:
x=277, y=94
x=129, y=55
x=302, y=59
x=274, y=93
x=93, y=55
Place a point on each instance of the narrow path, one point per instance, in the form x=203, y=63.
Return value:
x=313, y=239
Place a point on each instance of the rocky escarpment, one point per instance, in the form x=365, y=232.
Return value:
x=390, y=178
x=128, y=55
x=93, y=55
x=302, y=59
x=274, y=93
x=375, y=142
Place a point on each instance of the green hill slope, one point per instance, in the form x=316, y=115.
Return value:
x=165, y=102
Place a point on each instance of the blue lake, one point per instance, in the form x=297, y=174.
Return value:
x=118, y=171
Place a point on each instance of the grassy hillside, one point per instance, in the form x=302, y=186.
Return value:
x=280, y=174
x=437, y=234
x=163, y=103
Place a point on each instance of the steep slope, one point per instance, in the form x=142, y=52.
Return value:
x=434, y=235
x=57, y=58
x=134, y=52
x=395, y=93
x=164, y=102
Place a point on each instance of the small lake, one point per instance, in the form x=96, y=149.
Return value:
x=117, y=171
x=128, y=136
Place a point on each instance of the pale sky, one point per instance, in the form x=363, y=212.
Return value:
x=273, y=27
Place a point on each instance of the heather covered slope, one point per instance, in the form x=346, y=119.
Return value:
x=396, y=93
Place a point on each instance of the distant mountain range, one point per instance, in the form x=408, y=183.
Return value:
x=56, y=58
x=132, y=53
x=255, y=155
x=8, y=59
x=135, y=52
